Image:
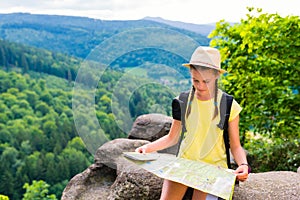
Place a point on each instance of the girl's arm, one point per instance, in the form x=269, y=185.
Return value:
x=164, y=142
x=237, y=150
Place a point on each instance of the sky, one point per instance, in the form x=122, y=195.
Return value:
x=191, y=11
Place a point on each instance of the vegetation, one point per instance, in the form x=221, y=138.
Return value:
x=262, y=56
x=37, y=136
x=39, y=60
x=38, y=139
x=75, y=36
x=38, y=190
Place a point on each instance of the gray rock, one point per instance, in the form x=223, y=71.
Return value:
x=92, y=184
x=269, y=186
x=152, y=127
x=114, y=177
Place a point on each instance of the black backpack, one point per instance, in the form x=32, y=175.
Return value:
x=180, y=104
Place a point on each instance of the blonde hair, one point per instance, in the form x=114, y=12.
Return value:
x=192, y=92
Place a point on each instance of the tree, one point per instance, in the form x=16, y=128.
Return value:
x=2, y=57
x=24, y=64
x=37, y=190
x=3, y=197
x=262, y=56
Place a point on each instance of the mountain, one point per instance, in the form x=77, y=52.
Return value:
x=203, y=29
x=75, y=36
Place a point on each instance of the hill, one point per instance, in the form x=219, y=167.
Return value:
x=41, y=117
x=75, y=36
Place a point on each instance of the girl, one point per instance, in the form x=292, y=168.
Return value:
x=203, y=140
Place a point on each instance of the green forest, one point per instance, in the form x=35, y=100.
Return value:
x=38, y=136
x=40, y=149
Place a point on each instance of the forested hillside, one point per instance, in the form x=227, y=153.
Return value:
x=39, y=60
x=75, y=36
x=38, y=140
x=38, y=137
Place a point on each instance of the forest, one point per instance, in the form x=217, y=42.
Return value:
x=38, y=139
x=40, y=145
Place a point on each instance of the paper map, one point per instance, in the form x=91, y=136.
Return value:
x=199, y=175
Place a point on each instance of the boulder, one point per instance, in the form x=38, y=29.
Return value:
x=112, y=176
x=269, y=186
x=132, y=182
x=152, y=127
x=92, y=184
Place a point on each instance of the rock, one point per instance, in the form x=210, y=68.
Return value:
x=114, y=177
x=152, y=127
x=136, y=184
x=269, y=186
x=92, y=184
x=298, y=170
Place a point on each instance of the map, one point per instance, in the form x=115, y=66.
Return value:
x=208, y=178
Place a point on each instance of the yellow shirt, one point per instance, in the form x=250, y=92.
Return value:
x=203, y=140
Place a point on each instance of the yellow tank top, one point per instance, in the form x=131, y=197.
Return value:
x=203, y=140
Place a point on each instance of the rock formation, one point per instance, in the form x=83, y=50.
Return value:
x=113, y=177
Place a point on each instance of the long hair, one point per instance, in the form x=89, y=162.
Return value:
x=192, y=92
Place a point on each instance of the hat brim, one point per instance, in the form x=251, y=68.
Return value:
x=222, y=71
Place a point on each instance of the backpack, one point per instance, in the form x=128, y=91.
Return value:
x=180, y=104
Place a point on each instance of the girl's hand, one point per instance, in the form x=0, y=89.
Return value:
x=142, y=149
x=242, y=172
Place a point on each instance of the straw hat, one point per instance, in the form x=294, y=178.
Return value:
x=206, y=57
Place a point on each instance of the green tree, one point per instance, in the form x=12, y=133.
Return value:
x=74, y=160
x=2, y=57
x=32, y=97
x=24, y=64
x=8, y=160
x=42, y=108
x=261, y=54
x=3, y=197
x=37, y=190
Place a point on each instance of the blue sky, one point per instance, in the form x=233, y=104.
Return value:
x=193, y=11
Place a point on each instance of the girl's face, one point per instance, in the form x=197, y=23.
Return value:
x=204, y=82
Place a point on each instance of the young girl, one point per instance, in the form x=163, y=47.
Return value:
x=203, y=140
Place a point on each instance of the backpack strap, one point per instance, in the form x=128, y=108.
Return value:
x=179, y=105
x=225, y=107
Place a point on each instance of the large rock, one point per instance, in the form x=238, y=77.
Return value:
x=152, y=127
x=132, y=182
x=269, y=186
x=92, y=184
x=114, y=177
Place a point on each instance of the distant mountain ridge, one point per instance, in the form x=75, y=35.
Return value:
x=203, y=29
x=75, y=36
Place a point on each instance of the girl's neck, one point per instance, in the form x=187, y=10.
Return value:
x=204, y=97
